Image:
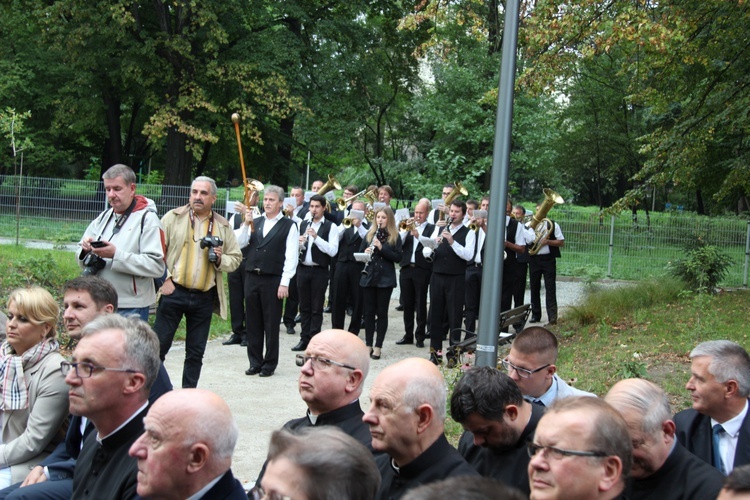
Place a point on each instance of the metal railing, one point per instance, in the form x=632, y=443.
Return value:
x=618, y=247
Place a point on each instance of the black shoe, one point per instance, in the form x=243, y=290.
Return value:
x=327, y=309
x=244, y=341
x=436, y=359
x=298, y=318
x=405, y=341
x=419, y=343
x=535, y=320
x=266, y=374
x=399, y=307
x=552, y=322
x=233, y=340
x=300, y=347
x=252, y=371
x=290, y=330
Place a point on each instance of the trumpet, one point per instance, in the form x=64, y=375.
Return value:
x=407, y=225
x=473, y=226
x=347, y=222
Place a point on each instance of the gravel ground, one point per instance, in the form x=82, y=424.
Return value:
x=261, y=405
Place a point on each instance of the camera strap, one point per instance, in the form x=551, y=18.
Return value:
x=210, y=223
x=119, y=222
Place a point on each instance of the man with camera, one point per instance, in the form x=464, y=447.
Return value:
x=125, y=244
x=200, y=247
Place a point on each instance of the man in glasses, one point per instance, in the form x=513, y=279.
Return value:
x=113, y=368
x=581, y=449
x=332, y=372
x=662, y=468
x=497, y=422
x=531, y=365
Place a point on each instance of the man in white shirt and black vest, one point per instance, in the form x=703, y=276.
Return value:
x=319, y=242
x=544, y=263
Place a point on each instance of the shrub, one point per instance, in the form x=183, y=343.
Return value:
x=703, y=267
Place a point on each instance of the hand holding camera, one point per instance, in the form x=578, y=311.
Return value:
x=213, y=243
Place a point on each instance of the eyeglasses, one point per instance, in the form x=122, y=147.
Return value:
x=319, y=363
x=86, y=370
x=558, y=453
x=522, y=372
x=257, y=493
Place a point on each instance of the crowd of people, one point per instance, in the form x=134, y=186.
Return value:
x=105, y=422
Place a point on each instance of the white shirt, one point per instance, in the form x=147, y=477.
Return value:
x=728, y=439
x=330, y=248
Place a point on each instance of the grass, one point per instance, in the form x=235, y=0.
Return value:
x=51, y=269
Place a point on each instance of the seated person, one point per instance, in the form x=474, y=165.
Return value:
x=34, y=395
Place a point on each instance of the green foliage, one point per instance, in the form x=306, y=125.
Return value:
x=26, y=267
x=703, y=267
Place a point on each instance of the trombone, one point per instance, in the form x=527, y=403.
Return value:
x=342, y=202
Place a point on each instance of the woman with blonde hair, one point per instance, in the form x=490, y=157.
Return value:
x=378, y=280
x=33, y=393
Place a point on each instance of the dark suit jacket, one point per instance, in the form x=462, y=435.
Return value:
x=228, y=488
x=694, y=433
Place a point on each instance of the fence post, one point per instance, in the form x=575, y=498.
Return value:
x=611, y=246
x=747, y=255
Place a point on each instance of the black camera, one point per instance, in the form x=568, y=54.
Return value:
x=92, y=264
x=211, y=242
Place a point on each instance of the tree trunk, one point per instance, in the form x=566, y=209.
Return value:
x=179, y=161
x=699, y=207
x=112, y=150
x=280, y=176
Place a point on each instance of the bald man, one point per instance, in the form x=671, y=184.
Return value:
x=406, y=419
x=332, y=373
x=186, y=448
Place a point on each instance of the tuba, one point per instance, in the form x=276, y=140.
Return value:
x=542, y=226
x=458, y=190
x=330, y=184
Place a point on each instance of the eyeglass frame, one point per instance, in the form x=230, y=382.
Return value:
x=258, y=493
x=533, y=449
x=314, y=359
x=522, y=372
x=66, y=366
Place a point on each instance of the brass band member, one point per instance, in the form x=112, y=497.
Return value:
x=349, y=272
x=379, y=278
x=447, y=285
x=474, y=277
x=414, y=277
x=515, y=244
x=544, y=264
x=434, y=215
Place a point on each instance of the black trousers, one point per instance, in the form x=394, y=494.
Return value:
x=291, y=307
x=520, y=291
x=311, y=286
x=346, y=281
x=414, y=283
x=472, y=295
x=236, y=286
x=197, y=307
x=447, y=294
x=376, y=302
x=263, y=316
x=543, y=266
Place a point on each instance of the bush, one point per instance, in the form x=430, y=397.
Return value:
x=703, y=267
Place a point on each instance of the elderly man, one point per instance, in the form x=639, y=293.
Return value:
x=581, y=449
x=717, y=427
x=531, y=364
x=201, y=246
x=498, y=424
x=113, y=368
x=84, y=299
x=186, y=448
x=318, y=463
x=407, y=423
x=125, y=244
x=662, y=468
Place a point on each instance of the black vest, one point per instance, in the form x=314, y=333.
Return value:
x=349, y=244
x=511, y=260
x=445, y=260
x=553, y=251
x=268, y=254
x=238, y=220
x=408, y=248
x=319, y=257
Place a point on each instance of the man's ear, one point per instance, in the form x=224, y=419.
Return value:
x=136, y=381
x=354, y=380
x=512, y=412
x=425, y=414
x=199, y=454
x=612, y=472
x=731, y=387
x=108, y=309
x=551, y=370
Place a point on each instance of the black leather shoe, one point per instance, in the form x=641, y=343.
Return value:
x=266, y=374
x=404, y=341
x=419, y=343
x=252, y=371
x=290, y=330
x=535, y=320
x=244, y=341
x=298, y=318
x=436, y=359
x=300, y=347
x=233, y=340
x=327, y=309
x=399, y=307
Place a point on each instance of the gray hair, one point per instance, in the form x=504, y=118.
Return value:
x=645, y=398
x=729, y=361
x=426, y=390
x=203, y=178
x=275, y=189
x=335, y=465
x=221, y=435
x=141, y=344
x=120, y=170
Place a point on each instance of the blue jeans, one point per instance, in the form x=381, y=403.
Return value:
x=141, y=312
